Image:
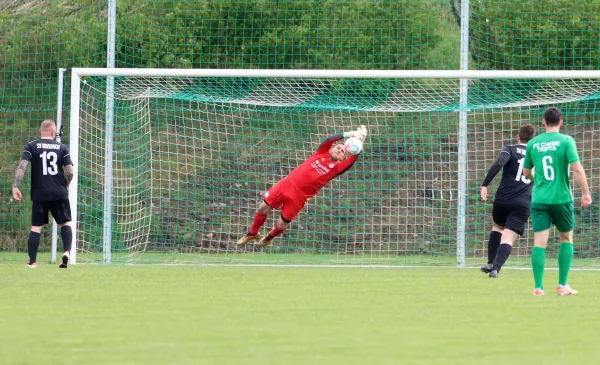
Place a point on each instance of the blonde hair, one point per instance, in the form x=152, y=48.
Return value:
x=48, y=127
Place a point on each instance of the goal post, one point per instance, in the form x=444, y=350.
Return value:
x=194, y=150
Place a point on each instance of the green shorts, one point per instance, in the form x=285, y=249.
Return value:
x=544, y=215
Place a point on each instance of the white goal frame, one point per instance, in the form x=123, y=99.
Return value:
x=78, y=73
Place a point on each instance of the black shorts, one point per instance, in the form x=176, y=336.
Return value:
x=60, y=209
x=511, y=216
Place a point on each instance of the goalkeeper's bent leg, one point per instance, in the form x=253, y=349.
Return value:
x=259, y=220
x=276, y=232
x=279, y=228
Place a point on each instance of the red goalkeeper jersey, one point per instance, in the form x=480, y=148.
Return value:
x=317, y=170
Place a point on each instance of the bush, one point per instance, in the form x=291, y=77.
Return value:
x=535, y=35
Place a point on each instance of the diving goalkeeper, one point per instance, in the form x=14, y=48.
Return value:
x=292, y=192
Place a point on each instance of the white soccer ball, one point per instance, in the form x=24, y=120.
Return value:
x=353, y=145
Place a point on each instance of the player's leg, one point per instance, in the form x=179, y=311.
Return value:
x=292, y=205
x=273, y=199
x=33, y=243
x=493, y=244
x=499, y=218
x=538, y=259
x=39, y=217
x=506, y=243
x=67, y=237
x=259, y=219
x=61, y=211
x=515, y=226
x=540, y=220
x=492, y=247
x=280, y=227
x=563, y=216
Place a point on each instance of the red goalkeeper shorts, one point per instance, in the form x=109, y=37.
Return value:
x=284, y=194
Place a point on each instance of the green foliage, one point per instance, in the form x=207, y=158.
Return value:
x=266, y=34
x=535, y=35
x=43, y=37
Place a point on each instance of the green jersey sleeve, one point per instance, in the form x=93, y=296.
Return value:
x=528, y=164
x=572, y=155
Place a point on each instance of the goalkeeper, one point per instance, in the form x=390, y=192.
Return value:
x=305, y=181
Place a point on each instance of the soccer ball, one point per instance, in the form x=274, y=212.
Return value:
x=353, y=145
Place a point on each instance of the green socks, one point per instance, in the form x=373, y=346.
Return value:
x=565, y=258
x=538, y=259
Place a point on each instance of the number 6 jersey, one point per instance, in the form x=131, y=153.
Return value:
x=551, y=154
x=47, y=158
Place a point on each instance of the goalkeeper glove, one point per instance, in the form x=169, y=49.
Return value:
x=360, y=133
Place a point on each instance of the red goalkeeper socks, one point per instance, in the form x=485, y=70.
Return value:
x=276, y=232
x=259, y=220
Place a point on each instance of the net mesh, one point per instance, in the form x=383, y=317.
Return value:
x=39, y=36
x=192, y=160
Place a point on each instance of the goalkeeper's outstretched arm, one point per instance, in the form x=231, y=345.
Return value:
x=329, y=141
x=350, y=162
x=360, y=133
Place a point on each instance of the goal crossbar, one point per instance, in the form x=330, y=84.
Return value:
x=348, y=74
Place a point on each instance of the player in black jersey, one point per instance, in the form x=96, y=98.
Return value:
x=511, y=203
x=48, y=188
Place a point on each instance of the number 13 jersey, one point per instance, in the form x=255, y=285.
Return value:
x=47, y=158
x=514, y=187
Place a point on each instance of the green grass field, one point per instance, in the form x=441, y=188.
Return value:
x=95, y=314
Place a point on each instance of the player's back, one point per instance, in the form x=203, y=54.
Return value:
x=551, y=153
x=514, y=187
x=47, y=158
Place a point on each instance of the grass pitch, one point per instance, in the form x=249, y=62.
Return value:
x=92, y=314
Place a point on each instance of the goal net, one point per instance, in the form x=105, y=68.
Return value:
x=172, y=164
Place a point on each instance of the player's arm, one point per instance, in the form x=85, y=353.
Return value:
x=68, y=164
x=528, y=164
x=500, y=162
x=579, y=172
x=360, y=133
x=580, y=176
x=20, y=173
x=329, y=141
x=529, y=174
x=347, y=164
x=69, y=174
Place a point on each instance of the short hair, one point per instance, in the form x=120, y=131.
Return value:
x=552, y=116
x=526, y=133
x=336, y=143
x=48, y=126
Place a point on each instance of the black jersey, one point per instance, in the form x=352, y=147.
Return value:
x=514, y=187
x=47, y=158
